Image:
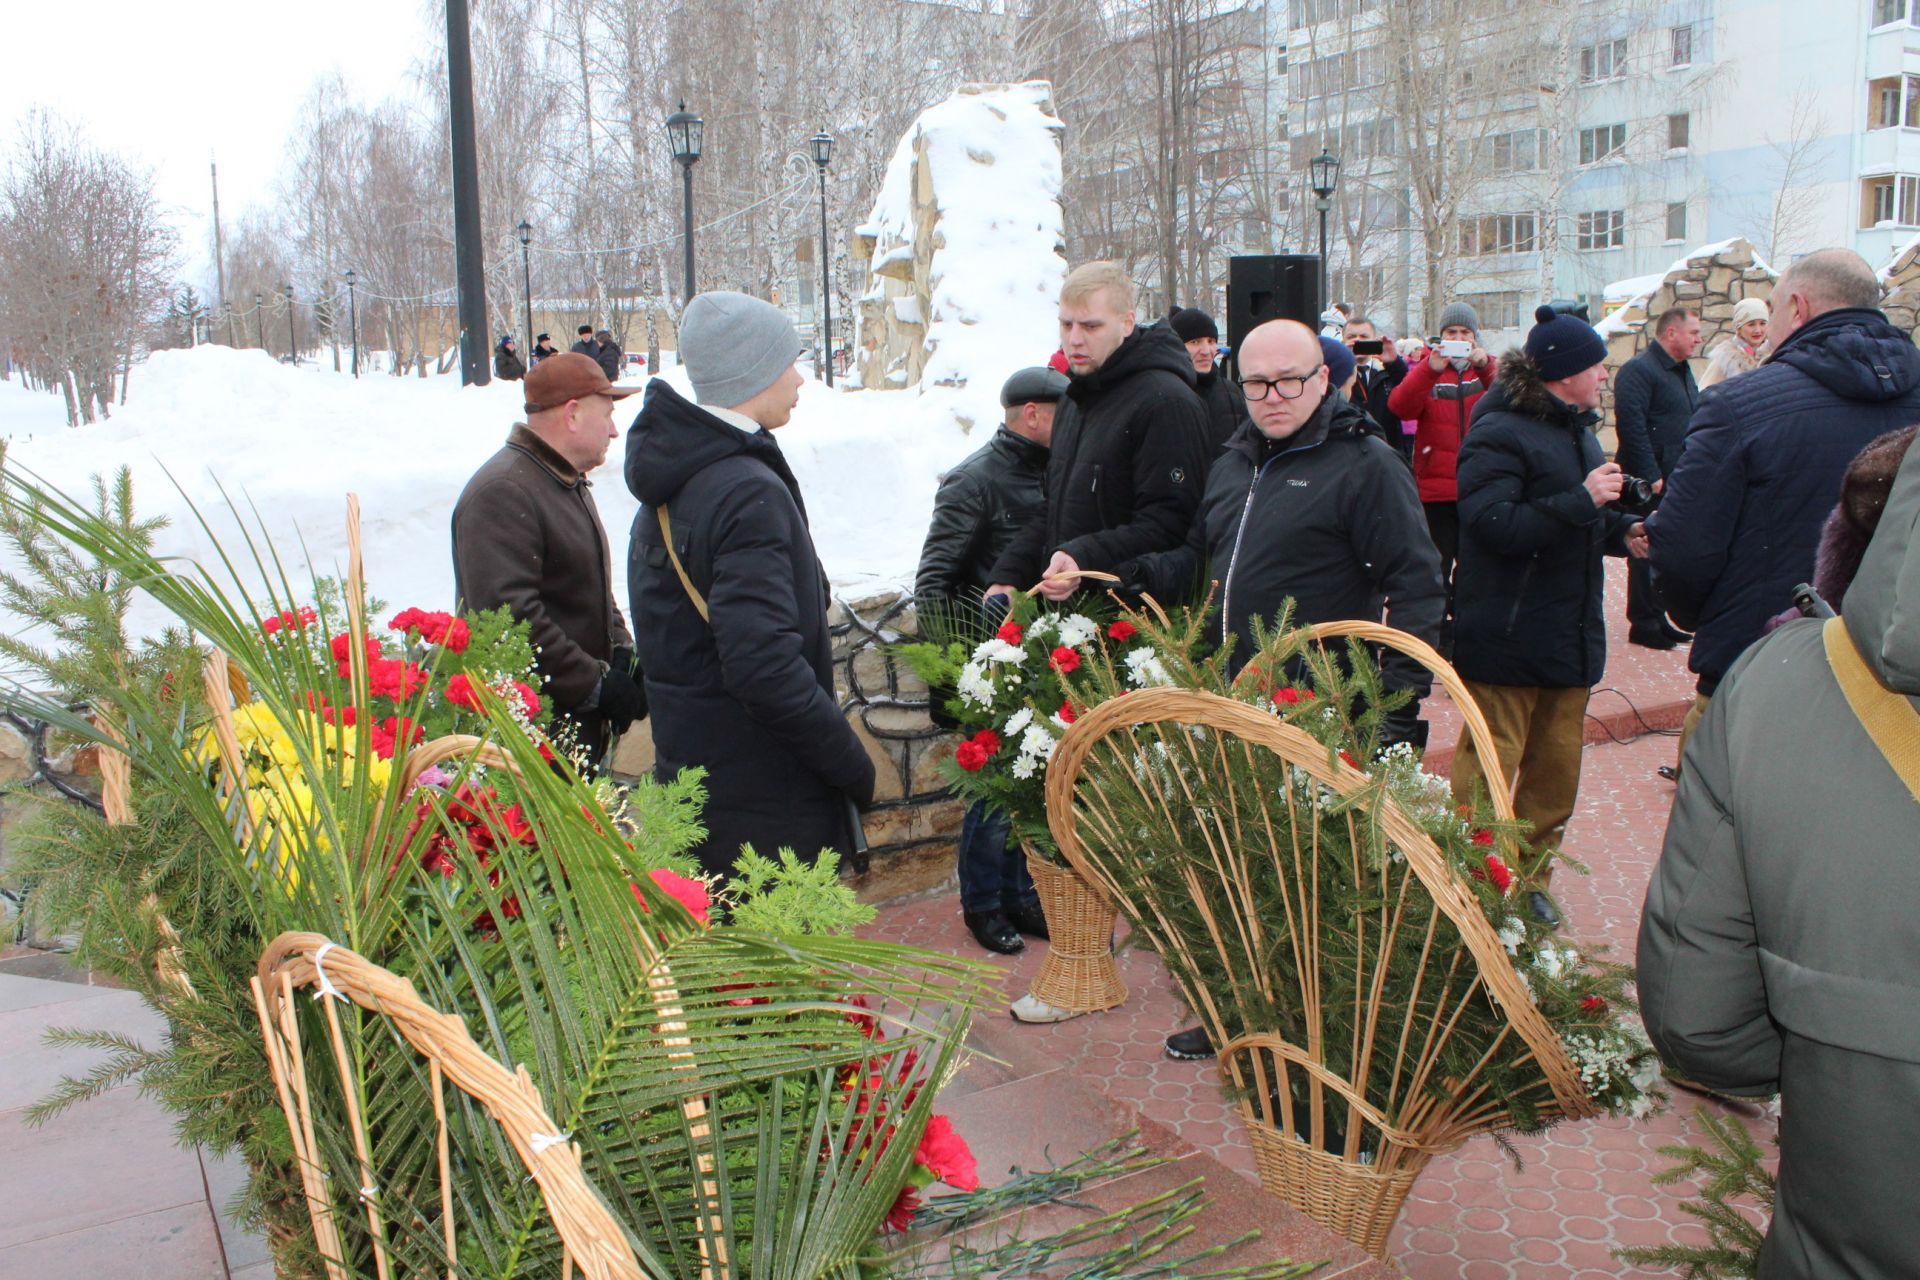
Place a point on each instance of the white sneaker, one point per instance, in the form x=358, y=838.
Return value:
x=1030, y=1008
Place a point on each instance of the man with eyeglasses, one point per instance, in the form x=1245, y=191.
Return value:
x=1130, y=448
x=1307, y=504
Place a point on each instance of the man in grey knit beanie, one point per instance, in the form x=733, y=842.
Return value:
x=728, y=597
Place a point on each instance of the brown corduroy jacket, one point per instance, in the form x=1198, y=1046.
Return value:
x=526, y=534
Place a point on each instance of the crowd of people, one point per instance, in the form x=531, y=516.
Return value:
x=597, y=345
x=1458, y=496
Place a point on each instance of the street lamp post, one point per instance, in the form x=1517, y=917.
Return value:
x=260, y=319
x=822, y=153
x=293, y=348
x=683, y=131
x=526, y=277
x=1326, y=177
x=353, y=323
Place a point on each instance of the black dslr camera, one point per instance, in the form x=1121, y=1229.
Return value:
x=1635, y=492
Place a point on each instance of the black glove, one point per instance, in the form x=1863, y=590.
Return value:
x=622, y=699
x=623, y=658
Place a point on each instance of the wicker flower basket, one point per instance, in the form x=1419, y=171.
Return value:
x=1078, y=972
x=1345, y=1159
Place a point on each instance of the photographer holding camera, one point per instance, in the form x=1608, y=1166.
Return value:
x=1439, y=393
x=1653, y=400
x=1537, y=515
x=1379, y=370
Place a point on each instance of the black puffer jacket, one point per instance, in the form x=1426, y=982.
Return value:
x=1129, y=459
x=1328, y=519
x=1741, y=516
x=981, y=504
x=1226, y=408
x=1528, y=590
x=612, y=359
x=749, y=696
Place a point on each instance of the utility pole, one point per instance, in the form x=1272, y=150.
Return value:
x=219, y=256
x=469, y=261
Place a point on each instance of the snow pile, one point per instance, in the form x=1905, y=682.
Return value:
x=986, y=165
x=219, y=429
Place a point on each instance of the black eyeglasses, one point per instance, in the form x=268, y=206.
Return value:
x=1289, y=388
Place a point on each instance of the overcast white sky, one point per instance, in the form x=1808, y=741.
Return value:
x=175, y=85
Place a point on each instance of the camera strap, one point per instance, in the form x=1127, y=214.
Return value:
x=1889, y=719
x=693, y=592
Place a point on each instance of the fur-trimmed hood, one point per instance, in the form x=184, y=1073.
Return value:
x=1526, y=396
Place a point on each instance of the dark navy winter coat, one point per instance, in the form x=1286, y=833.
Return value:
x=1531, y=576
x=1741, y=516
x=747, y=695
x=1653, y=399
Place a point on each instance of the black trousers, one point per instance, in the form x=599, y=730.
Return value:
x=1644, y=610
x=1443, y=525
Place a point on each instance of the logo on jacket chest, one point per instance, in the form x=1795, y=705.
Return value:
x=1293, y=483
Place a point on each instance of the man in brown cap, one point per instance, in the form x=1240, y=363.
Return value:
x=527, y=535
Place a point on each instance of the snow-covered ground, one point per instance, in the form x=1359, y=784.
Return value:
x=290, y=443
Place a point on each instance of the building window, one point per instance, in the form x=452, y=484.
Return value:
x=1682, y=43
x=1497, y=233
x=1604, y=61
x=1678, y=129
x=1496, y=310
x=1604, y=142
x=1606, y=229
x=1886, y=12
x=1522, y=151
x=1893, y=101
x=1677, y=221
x=1893, y=199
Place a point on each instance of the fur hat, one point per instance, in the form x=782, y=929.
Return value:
x=1749, y=309
x=1561, y=346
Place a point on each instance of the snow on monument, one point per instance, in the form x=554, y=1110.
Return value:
x=966, y=243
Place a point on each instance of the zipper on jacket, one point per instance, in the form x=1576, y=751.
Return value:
x=1096, y=479
x=1520, y=595
x=1239, y=534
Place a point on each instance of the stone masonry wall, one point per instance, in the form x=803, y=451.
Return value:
x=1901, y=280
x=1708, y=283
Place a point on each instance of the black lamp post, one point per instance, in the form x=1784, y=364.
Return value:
x=1326, y=177
x=526, y=276
x=822, y=153
x=260, y=319
x=683, y=130
x=293, y=348
x=353, y=323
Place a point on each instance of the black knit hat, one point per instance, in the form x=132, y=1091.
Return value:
x=1561, y=346
x=1191, y=323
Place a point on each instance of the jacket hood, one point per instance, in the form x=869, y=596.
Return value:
x=1336, y=416
x=1150, y=346
x=1883, y=604
x=1527, y=395
x=673, y=439
x=1855, y=353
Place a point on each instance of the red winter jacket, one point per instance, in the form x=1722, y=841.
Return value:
x=1441, y=403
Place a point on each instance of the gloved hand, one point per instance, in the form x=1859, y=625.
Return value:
x=623, y=658
x=622, y=699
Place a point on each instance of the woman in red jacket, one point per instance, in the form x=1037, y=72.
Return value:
x=1439, y=394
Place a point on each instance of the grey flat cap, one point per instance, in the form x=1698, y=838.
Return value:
x=1036, y=382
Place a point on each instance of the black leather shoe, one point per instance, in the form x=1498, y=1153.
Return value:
x=992, y=930
x=1030, y=921
x=1542, y=908
x=1651, y=638
x=1678, y=636
x=1190, y=1045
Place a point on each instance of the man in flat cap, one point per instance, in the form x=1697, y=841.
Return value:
x=527, y=535
x=729, y=598
x=981, y=504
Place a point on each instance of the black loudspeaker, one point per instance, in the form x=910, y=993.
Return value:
x=1271, y=286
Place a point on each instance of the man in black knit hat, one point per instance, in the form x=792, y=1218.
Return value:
x=1226, y=407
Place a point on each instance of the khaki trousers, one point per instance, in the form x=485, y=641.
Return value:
x=1687, y=726
x=1538, y=734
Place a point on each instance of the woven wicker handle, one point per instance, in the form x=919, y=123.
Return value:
x=1429, y=657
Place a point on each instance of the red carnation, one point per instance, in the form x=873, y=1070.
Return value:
x=1498, y=873
x=689, y=893
x=1351, y=762
x=947, y=1155
x=1066, y=711
x=1287, y=697
x=900, y=1217
x=454, y=639
x=989, y=741
x=462, y=693
x=1482, y=837
x=970, y=756
x=1122, y=631
x=528, y=699
x=1009, y=633
x=1593, y=1004
x=1064, y=660
x=407, y=620
x=343, y=643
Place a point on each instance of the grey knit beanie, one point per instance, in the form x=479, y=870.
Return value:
x=734, y=347
x=1459, y=313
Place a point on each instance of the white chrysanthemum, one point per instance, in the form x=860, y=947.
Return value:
x=975, y=685
x=1076, y=629
x=994, y=649
x=1038, y=743
x=1016, y=722
x=1511, y=936
x=1145, y=669
x=1040, y=626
